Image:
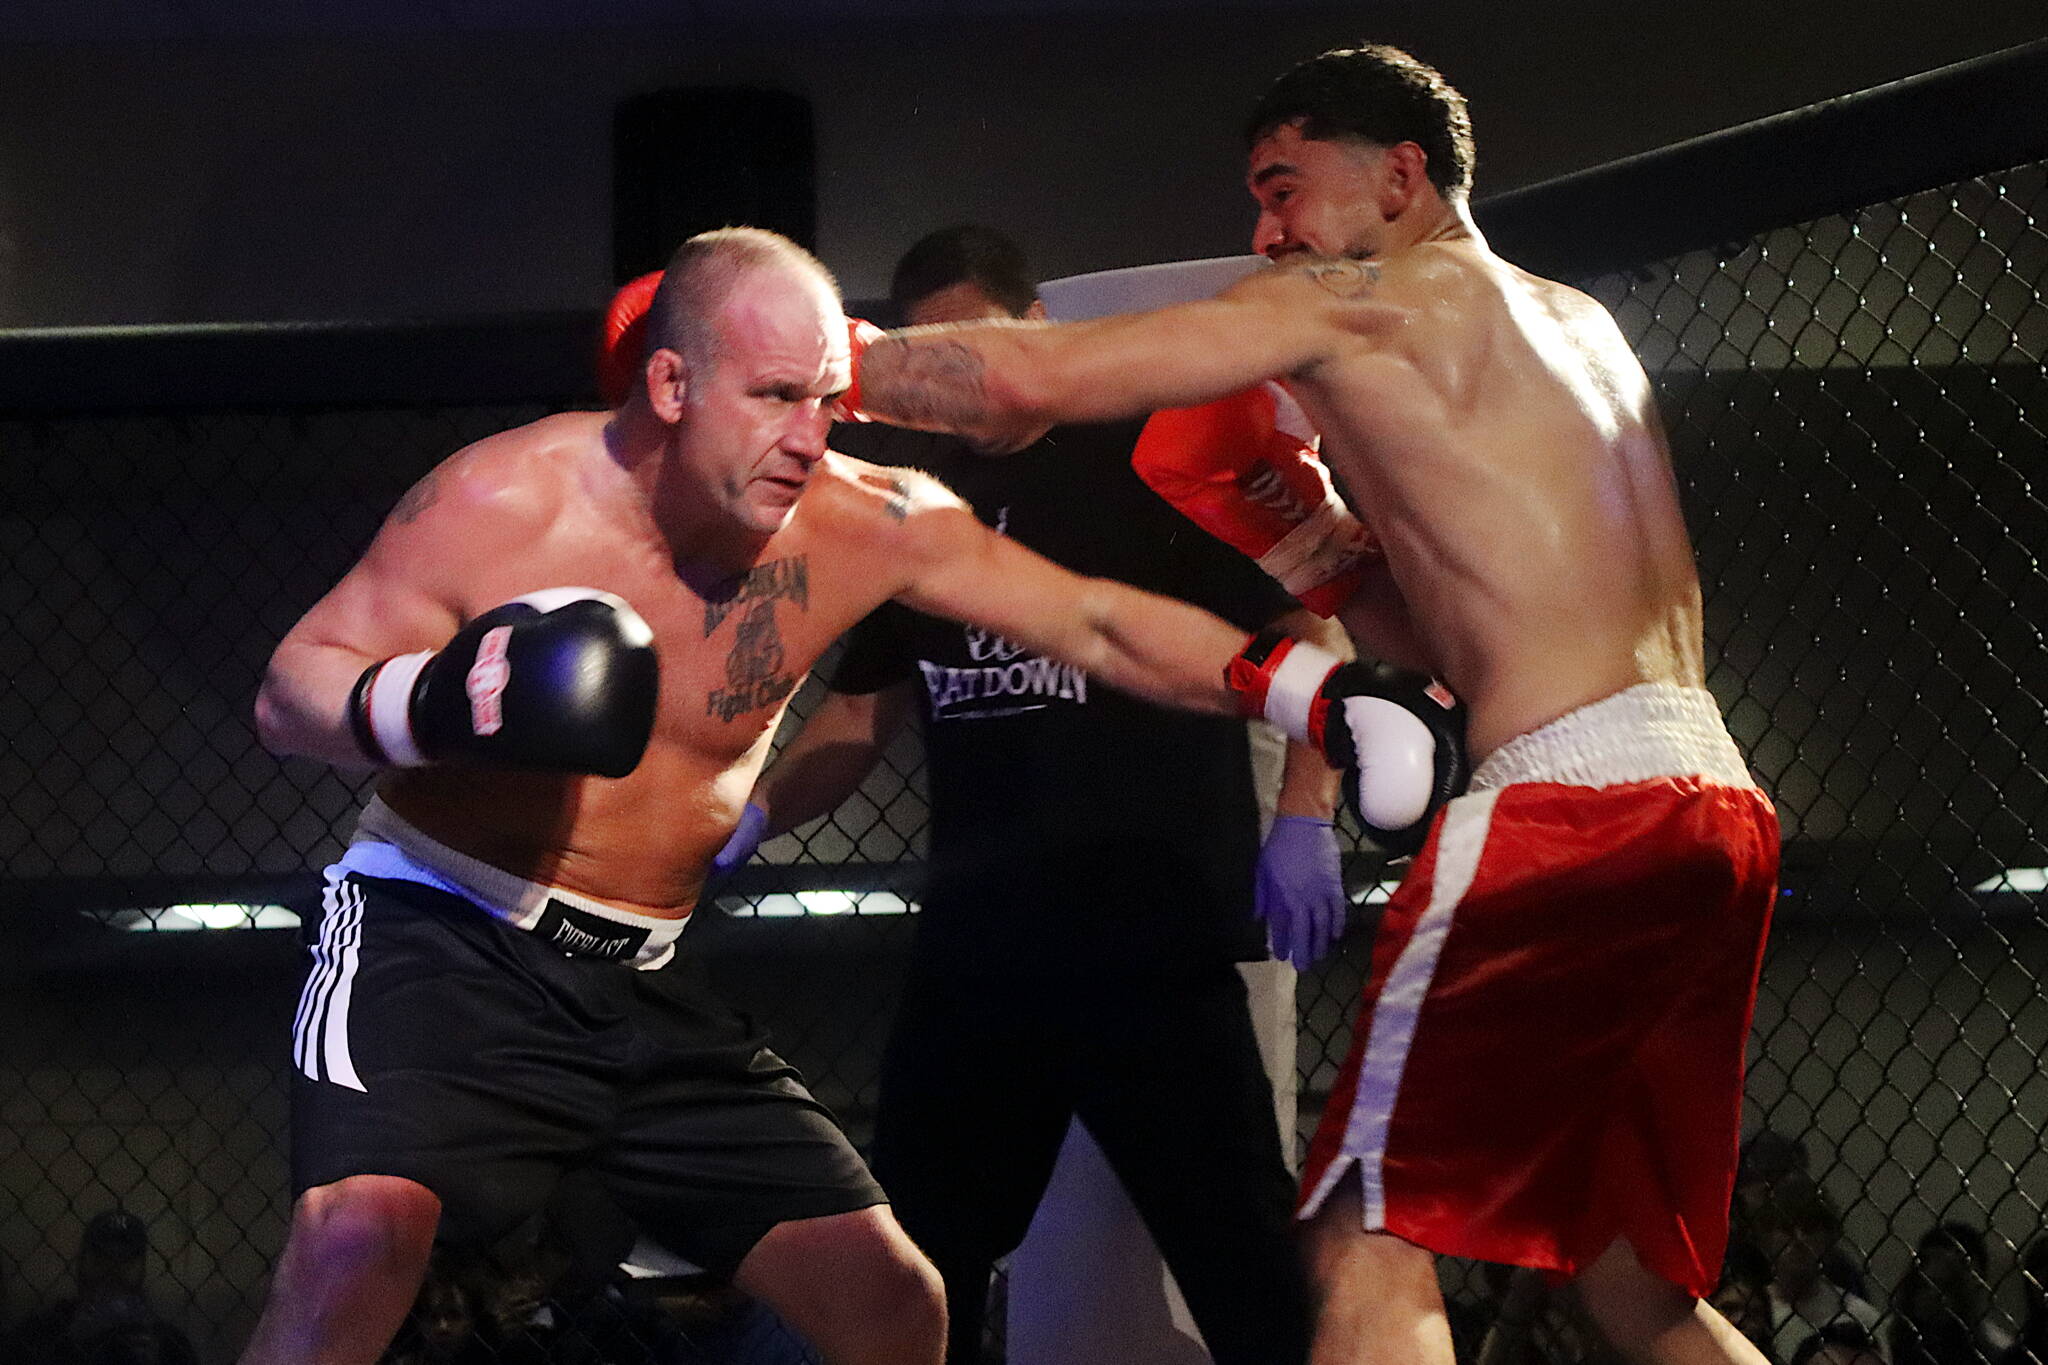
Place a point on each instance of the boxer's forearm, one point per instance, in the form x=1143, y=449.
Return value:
x=1157, y=648
x=997, y=381
x=963, y=380
x=302, y=707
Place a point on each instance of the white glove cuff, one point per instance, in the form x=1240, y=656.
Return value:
x=390, y=708
x=1297, y=678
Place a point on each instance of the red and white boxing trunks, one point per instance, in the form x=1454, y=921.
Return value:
x=1551, y=1049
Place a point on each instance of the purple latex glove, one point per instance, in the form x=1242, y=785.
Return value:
x=745, y=839
x=1299, y=889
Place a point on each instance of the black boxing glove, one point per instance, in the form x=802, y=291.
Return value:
x=1398, y=737
x=563, y=680
x=1383, y=778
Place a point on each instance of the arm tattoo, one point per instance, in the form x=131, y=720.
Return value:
x=895, y=494
x=928, y=381
x=1343, y=278
x=427, y=491
x=419, y=497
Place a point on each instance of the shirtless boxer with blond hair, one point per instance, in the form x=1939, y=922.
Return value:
x=567, y=650
x=1548, y=1069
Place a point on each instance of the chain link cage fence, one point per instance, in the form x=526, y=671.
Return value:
x=1855, y=391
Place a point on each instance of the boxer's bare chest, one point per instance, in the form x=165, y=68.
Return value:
x=735, y=643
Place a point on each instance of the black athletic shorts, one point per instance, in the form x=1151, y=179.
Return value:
x=437, y=1043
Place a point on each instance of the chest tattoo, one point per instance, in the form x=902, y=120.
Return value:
x=756, y=669
x=790, y=578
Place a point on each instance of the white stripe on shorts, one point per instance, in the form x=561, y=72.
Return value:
x=314, y=992
x=320, y=1030
x=1394, y=1014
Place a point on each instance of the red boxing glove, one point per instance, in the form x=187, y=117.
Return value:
x=1244, y=469
x=622, y=340
x=860, y=334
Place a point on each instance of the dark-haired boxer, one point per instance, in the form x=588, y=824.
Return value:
x=1548, y=1070
x=567, y=649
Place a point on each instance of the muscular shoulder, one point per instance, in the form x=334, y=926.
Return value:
x=517, y=478
x=1465, y=278
x=896, y=521
x=866, y=499
x=1347, y=298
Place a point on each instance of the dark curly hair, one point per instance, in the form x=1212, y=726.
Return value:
x=1378, y=94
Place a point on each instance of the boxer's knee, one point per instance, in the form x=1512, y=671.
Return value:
x=1634, y=1308
x=351, y=1266
x=1374, y=1265
x=911, y=1287
x=853, y=1284
x=897, y=1280
x=1378, y=1300
x=365, y=1225
x=1371, y=1287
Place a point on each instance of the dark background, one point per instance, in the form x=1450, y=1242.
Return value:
x=241, y=160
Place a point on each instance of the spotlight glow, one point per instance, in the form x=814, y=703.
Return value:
x=802, y=904
x=178, y=919
x=2014, y=879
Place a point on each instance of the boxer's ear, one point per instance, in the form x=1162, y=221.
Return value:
x=668, y=384
x=1404, y=175
x=1036, y=312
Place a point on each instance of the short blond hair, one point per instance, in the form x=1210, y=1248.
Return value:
x=701, y=276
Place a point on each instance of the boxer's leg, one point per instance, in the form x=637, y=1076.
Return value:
x=748, y=1177
x=1651, y=1320
x=1378, y=1298
x=397, y=1133
x=853, y=1286
x=721, y=1155
x=351, y=1267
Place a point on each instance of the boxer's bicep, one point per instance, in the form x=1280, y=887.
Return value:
x=371, y=614
x=406, y=590
x=405, y=593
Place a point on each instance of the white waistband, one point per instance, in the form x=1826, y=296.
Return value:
x=1639, y=734
x=387, y=845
